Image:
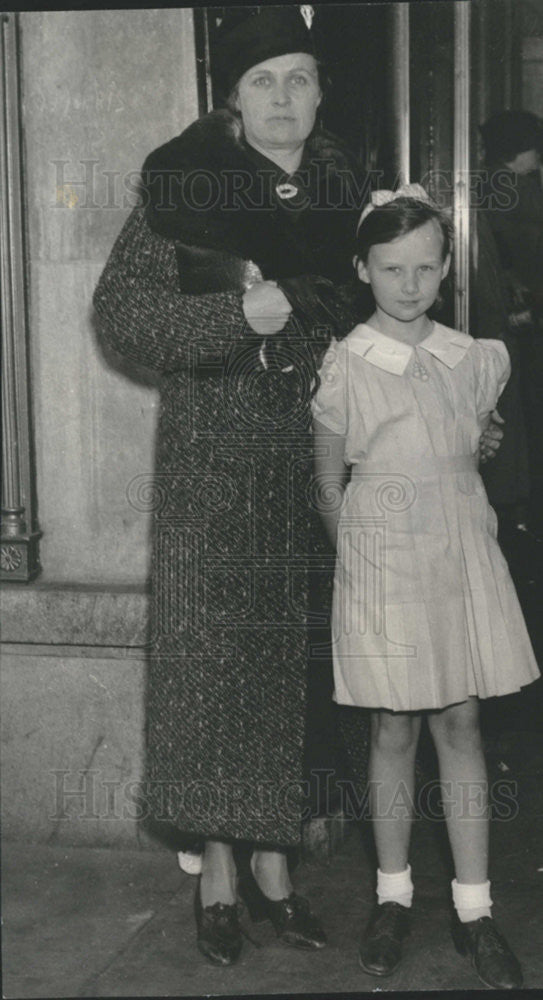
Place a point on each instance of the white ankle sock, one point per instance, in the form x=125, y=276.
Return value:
x=471, y=901
x=395, y=887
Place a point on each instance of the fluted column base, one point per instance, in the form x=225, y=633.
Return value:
x=19, y=557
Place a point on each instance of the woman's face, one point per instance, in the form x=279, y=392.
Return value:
x=278, y=101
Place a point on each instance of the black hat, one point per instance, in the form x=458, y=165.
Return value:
x=509, y=133
x=248, y=36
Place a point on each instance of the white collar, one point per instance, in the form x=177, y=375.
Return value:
x=448, y=346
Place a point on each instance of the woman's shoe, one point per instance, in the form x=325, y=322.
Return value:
x=291, y=917
x=491, y=956
x=219, y=933
x=381, y=946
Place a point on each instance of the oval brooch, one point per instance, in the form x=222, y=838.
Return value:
x=286, y=190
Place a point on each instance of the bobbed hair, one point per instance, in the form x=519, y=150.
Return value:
x=398, y=218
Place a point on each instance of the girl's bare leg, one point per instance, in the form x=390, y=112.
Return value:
x=394, y=738
x=457, y=738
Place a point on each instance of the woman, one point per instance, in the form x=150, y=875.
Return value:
x=222, y=282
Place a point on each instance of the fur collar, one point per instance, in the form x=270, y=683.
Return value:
x=191, y=197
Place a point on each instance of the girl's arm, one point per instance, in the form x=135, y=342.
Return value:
x=331, y=476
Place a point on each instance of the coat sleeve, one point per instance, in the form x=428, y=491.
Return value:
x=143, y=316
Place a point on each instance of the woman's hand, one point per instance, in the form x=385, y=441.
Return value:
x=266, y=308
x=491, y=438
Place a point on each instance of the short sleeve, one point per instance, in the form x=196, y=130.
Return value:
x=329, y=405
x=493, y=374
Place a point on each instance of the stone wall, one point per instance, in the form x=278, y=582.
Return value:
x=100, y=90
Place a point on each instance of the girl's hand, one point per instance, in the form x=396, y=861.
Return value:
x=266, y=308
x=491, y=438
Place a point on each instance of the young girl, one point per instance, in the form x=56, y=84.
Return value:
x=425, y=615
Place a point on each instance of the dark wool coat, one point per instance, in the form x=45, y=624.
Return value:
x=506, y=477
x=515, y=216
x=235, y=527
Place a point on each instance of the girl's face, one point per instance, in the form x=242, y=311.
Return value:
x=406, y=273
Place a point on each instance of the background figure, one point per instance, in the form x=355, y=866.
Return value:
x=506, y=478
x=514, y=211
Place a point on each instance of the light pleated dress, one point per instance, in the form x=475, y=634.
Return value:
x=425, y=613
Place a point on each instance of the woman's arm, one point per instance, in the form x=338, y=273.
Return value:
x=331, y=476
x=144, y=317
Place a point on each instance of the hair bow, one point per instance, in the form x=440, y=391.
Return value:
x=379, y=198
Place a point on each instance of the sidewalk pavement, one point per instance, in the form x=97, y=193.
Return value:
x=88, y=922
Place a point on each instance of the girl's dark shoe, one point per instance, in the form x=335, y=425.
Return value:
x=381, y=946
x=219, y=933
x=291, y=917
x=491, y=956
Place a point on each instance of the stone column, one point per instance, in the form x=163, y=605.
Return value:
x=401, y=96
x=19, y=559
x=462, y=162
